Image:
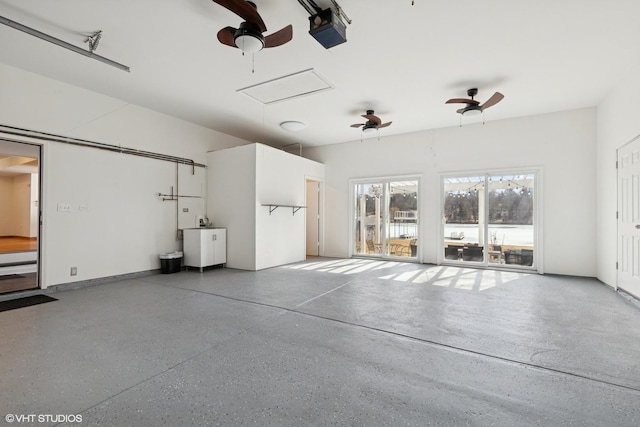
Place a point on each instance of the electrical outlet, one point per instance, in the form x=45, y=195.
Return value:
x=74, y=271
x=63, y=207
x=185, y=209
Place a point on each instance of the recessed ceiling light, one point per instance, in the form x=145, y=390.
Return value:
x=292, y=126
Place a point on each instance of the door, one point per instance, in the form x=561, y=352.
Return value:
x=19, y=216
x=489, y=219
x=313, y=218
x=629, y=218
x=385, y=220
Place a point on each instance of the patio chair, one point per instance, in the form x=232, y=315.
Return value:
x=451, y=252
x=372, y=248
x=526, y=257
x=472, y=253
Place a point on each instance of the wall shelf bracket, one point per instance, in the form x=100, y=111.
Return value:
x=274, y=206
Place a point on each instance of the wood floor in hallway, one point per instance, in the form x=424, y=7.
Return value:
x=18, y=244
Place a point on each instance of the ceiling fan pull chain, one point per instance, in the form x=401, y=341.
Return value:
x=253, y=63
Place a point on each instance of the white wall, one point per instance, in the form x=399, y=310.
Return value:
x=21, y=210
x=118, y=224
x=18, y=213
x=617, y=124
x=6, y=193
x=281, y=178
x=231, y=201
x=563, y=144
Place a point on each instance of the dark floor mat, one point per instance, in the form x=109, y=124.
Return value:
x=25, y=302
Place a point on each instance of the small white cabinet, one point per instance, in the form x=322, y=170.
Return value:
x=204, y=247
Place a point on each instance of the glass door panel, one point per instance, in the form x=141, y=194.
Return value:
x=463, y=219
x=386, y=219
x=510, y=219
x=402, y=219
x=368, y=219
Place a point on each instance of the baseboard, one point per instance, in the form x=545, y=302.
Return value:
x=629, y=298
x=77, y=285
x=99, y=281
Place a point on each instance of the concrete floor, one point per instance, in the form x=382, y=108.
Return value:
x=327, y=342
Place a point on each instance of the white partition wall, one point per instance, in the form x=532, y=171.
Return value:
x=242, y=180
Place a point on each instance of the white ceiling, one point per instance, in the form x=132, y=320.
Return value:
x=401, y=60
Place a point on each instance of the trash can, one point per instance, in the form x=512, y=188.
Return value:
x=170, y=262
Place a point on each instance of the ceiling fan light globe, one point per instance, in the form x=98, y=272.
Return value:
x=249, y=43
x=369, y=129
x=472, y=112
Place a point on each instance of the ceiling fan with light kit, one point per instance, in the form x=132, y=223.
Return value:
x=248, y=37
x=473, y=107
x=372, y=124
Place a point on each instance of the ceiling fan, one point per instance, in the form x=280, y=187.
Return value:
x=473, y=107
x=372, y=123
x=248, y=37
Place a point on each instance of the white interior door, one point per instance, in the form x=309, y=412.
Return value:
x=313, y=218
x=629, y=218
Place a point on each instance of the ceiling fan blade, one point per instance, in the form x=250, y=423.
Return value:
x=462, y=101
x=374, y=119
x=384, y=125
x=244, y=10
x=495, y=98
x=226, y=36
x=279, y=37
x=357, y=125
x=460, y=111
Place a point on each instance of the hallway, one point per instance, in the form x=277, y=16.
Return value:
x=328, y=342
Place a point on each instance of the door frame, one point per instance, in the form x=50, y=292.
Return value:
x=320, y=196
x=384, y=180
x=538, y=241
x=18, y=152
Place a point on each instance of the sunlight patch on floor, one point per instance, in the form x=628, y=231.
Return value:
x=457, y=278
x=345, y=266
x=470, y=279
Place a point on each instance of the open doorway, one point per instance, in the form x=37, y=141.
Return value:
x=19, y=216
x=313, y=221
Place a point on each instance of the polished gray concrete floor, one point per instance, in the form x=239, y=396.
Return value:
x=327, y=342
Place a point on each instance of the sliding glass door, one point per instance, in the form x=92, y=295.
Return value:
x=490, y=219
x=385, y=218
